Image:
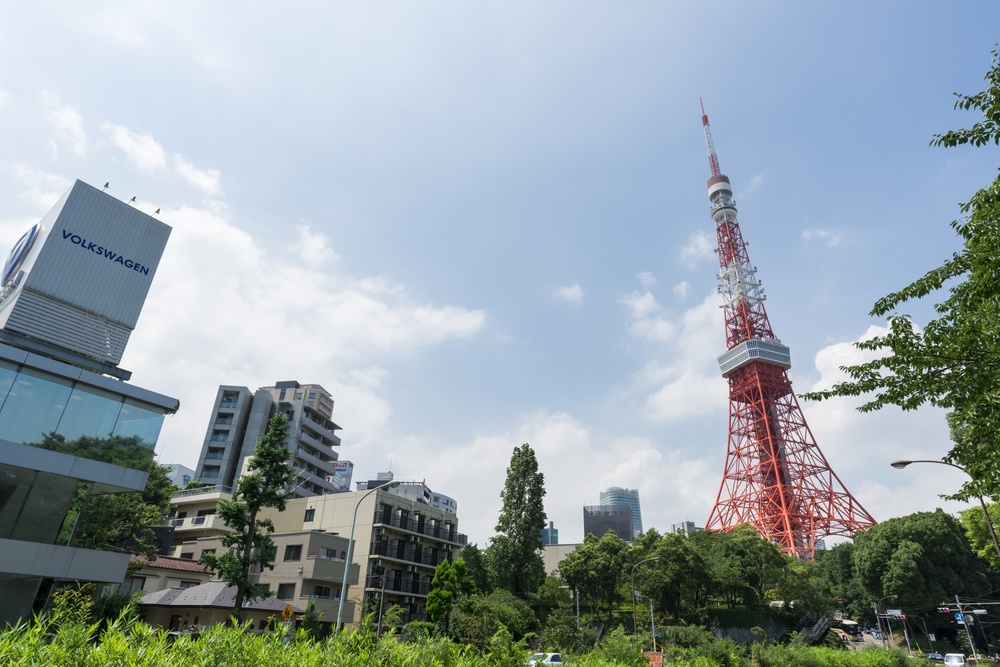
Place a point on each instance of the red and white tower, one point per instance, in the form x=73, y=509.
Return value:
x=776, y=478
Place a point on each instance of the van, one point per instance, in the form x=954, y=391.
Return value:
x=954, y=660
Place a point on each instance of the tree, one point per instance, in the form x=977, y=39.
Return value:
x=476, y=618
x=476, y=569
x=250, y=542
x=954, y=360
x=674, y=579
x=312, y=621
x=449, y=582
x=923, y=558
x=978, y=532
x=115, y=521
x=514, y=554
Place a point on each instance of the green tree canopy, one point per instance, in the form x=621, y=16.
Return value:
x=923, y=558
x=954, y=360
x=250, y=542
x=514, y=554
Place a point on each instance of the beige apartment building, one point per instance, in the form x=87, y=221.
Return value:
x=398, y=543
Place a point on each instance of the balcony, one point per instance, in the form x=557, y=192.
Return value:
x=308, y=438
x=209, y=524
x=326, y=569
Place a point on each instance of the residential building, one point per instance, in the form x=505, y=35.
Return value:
x=71, y=294
x=398, y=543
x=619, y=496
x=599, y=519
x=164, y=572
x=210, y=604
x=239, y=419
x=309, y=564
x=550, y=534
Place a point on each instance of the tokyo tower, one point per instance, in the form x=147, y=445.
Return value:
x=775, y=478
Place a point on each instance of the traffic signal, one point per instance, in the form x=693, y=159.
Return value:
x=943, y=610
x=902, y=617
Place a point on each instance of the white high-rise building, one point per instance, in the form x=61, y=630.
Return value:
x=619, y=496
x=239, y=418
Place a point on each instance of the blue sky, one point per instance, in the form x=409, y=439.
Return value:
x=483, y=224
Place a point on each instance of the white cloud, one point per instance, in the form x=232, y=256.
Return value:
x=68, y=123
x=646, y=279
x=142, y=149
x=680, y=290
x=206, y=180
x=570, y=294
x=754, y=184
x=642, y=304
x=43, y=188
x=313, y=248
x=829, y=237
x=699, y=246
x=226, y=311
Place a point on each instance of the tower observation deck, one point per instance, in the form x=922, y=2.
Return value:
x=775, y=476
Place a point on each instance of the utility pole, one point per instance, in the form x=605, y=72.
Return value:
x=965, y=622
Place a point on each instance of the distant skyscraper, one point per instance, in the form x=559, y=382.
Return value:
x=550, y=534
x=599, y=519
x=684, y=528
x=619, y=496
x=239, y=418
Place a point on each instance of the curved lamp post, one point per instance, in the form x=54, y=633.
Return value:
x=648, y=560
x=350, y=549
x=899, y=465
x=878, y=619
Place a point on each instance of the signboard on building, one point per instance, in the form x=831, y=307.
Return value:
x=79, y=278
x=343, y=471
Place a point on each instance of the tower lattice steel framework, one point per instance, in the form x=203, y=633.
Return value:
x=776, y=478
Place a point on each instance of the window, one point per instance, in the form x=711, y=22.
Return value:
x=208, y=551
x=312, y=394
x=189, y=555
x=310, y=514
x=286, y=591
x=321, y=591
x=187, y=583
x=298, y=395
x=293, y=552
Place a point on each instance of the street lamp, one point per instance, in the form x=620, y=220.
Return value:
x=652, y=621
x=899, y=465
x=648, y=560
x=350, y=548
x=878, y=619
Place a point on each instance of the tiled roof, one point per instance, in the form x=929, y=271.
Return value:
x=171, y=563
x=212, y=594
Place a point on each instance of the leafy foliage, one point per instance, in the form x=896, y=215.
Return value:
x=954, y=360
x=250, y=542
x=923, y=558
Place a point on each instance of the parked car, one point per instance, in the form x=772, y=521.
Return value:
x=954, y=660
x=539, y=659
x=934, y=657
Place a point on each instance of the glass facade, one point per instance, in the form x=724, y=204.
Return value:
x=85, y=420
x=34, y=505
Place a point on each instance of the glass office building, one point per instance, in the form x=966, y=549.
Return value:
x=70, y=427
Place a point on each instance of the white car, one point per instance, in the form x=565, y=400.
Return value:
x=954, y=660
x=544, y=659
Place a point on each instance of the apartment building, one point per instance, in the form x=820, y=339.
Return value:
x=240, y=417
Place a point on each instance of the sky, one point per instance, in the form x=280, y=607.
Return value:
x=482, y=224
